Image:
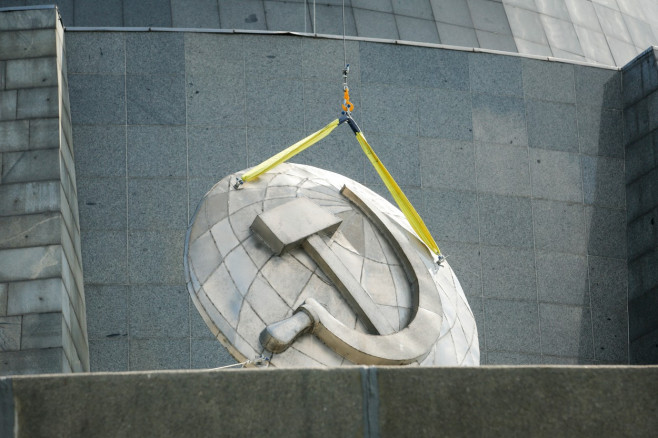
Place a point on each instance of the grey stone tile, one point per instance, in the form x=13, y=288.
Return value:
x=32, y=197
x=606, y=232
x=159, y=312
x=457, y=35
x=265, y=100
x=149, y=13
x=97, y=99
x=562, y=278
x=214, y=54
x=102, y=203
x=495, y=41
x=512, y=326
x=44, y=133
x=155, y=99
x=157, y=204
x=641, y=195
x=389, y=109
x=10, y=333
x=26, y=166
x=643, y=350
x=447, y=164
x=636, y=120
x=8, y=100
x=552, y=81
x=452, y=11
x=496, y=74
x=155, y=257
x=641, y=235
x=26, y=19
x=608, y=286
x=242, y=14
x=209, y=353
x=445, y=114
x=526, y=25
x=566, y=331
x=641, y=315
x=649, y=73
x=95, y=52
x=552, y=125
x=400, y=156
x=505, y=221
x=31, y=43
x=399, y=65
x=451, y=215
x=561, y=35
x=107, y=311
x=213, y=102
x=555, y=175
x=157, y=151
x=216, y=152
x=3, y=299
x=556, y=9
x=640, y=157
x=30, y=263
x=14, y=135
x=159, y=354
x=413, y=8
x=329, y=20
x=489, y=16
x=37, y=102
x=104, y=256
x=287, y=16
x=603, y=181
x=109, y=354
x=600, y=131
x=89, y=13
x=35, y=296
x=41, y=330
x=498, y=119
x=502, y=169
x=100, y=150
x=622, y=52
x=417, y=29
x=505, y=358
x=43, y=361
x=508, y=273
x=374, y=24
x=30, y=230
x=373, y=5
x=263, y=59
x=28, y=73
x=198, y=187
x=196, y=13
x=464, y=258
x=155, y=53
x=559, y=227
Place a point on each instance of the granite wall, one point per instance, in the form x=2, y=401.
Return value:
x=42, y=302
x=640, y=81
x=516, y=164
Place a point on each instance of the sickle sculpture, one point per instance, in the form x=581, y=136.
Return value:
x=411, y=344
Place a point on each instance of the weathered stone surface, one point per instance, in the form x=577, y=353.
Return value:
x=30, y=263
x=35, y=296
x=29, y=166
x=30, y=19
x=44, y=133
x=30, y=230
x=27, y=73
x=26, y=43
x=7, y=104
x=14, y=135
x=32, y=197
x=48, y=360
x=10, y=333
x=41, y=330
x=37, y=102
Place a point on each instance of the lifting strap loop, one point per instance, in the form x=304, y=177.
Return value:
x=290, y=152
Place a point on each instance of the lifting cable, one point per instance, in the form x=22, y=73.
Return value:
x=402, y=201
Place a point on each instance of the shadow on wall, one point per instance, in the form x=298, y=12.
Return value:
x=602, y=168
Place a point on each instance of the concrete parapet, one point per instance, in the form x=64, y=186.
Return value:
x=42, y=307
x=353, y=401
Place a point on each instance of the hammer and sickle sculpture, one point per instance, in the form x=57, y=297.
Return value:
x=245, y=247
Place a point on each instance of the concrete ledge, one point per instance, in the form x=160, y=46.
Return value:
x=354, y=401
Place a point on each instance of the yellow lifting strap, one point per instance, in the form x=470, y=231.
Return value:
x=405, y=206
x=290, y=152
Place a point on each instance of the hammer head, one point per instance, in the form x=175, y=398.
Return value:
x=288, y=225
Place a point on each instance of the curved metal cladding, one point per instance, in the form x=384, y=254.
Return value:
x=610, y=32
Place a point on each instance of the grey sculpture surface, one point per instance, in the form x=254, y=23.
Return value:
x=310, y=268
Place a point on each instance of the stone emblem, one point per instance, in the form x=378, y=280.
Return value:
x=310, y=268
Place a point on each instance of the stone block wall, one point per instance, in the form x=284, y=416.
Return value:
x=42, y=305
x=640, y=81
x=516, y=165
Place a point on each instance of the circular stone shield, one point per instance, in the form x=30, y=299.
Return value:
x=241, y=285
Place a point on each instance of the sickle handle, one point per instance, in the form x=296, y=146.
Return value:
x=279, y=336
